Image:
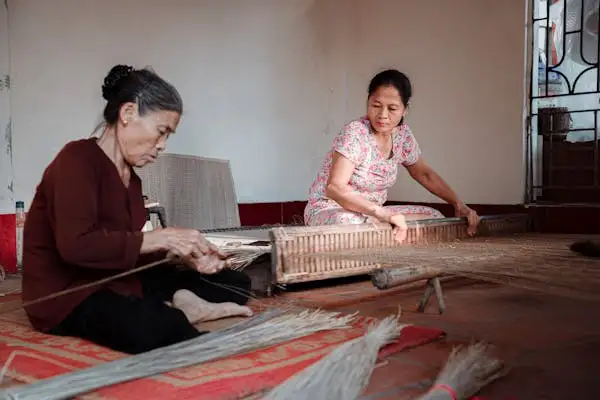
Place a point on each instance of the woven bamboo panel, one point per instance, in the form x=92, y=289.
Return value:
x=196, y=192
x=292, y=246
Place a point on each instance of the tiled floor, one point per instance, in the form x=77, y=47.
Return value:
x=552, y=344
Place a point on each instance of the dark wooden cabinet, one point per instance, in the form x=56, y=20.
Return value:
x=570, y=171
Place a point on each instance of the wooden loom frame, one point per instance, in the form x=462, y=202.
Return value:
x=291, y=246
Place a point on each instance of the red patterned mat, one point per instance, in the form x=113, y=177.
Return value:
x=38, y=356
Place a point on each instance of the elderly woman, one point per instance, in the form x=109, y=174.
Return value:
x=85, y=223
x=352, y=184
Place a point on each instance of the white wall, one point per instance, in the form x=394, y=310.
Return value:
x=6, y=174
x=267, y=83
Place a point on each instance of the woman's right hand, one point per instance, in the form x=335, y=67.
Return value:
x=191, y=247
x=400, y=228
x=397, y=221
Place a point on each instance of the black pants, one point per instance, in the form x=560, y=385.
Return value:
x=135, y=325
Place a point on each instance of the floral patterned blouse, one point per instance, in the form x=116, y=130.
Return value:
x=374, y=174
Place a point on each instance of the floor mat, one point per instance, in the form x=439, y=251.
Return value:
x=38, y=356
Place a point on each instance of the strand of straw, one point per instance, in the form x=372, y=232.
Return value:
x=261, y=304
x=9, y=360
x=85, y=286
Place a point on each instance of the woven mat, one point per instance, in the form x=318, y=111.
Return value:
x=39, y=356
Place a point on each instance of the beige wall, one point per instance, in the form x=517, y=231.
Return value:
x=267, y=83
x=7, y=204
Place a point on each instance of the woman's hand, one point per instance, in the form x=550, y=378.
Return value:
x=192, y=248
x=397, y=221
x=473, y=219
x=400, y=228
x=208, y=264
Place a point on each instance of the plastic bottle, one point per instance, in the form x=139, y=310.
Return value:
x=20, y=206
x=148, y=225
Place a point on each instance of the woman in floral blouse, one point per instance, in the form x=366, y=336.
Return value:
x=362, y=165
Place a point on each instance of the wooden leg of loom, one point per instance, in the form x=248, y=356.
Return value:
x=437, y=285
x=433, y=286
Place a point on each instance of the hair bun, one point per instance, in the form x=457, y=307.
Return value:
x=111, y=82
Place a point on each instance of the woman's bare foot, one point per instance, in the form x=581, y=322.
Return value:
x=199, y=310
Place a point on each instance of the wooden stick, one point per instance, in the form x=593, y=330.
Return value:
x=85, y=286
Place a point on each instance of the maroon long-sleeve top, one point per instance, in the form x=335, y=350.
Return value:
x=83, y=225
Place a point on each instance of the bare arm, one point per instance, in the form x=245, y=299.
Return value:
x=339, y=190
x=430, y=180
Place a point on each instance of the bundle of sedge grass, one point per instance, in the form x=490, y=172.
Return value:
x=239, y=258
x=466, y=372
x=342, y=374
x=345, y=372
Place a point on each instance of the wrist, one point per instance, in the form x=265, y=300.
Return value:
x=458, y=205
x=381, y=214
x=154, y=241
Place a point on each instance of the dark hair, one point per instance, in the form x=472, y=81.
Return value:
x=396, y=79
x=150, y=92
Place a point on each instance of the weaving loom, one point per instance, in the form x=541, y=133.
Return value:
x=291, y=249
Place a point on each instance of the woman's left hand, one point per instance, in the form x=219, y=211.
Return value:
x=207, y=264
x=472, y=218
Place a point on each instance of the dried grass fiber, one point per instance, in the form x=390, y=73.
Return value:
x=466, y=372
x=342, y=374
x=534, y=264
x=269, y=328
